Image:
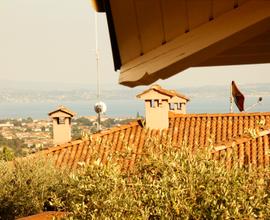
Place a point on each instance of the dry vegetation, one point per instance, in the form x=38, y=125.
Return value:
x=168, y=183
x=26, y=186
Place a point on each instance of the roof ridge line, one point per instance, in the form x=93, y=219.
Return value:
x=175, y=115
x=167, y=92
x=116, y=128
x=96, y=135
x=63, y=109
x=61, y=146
x=240, y=140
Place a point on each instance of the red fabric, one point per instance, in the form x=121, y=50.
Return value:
x=239, y=98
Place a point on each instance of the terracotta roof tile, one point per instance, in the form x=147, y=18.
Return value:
x=194, y=130
x=63, y=109
x=46, y=216
x=198, y=128
x=161, y=90
x=247, y=150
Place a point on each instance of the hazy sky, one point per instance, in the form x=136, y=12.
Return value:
x=54, y=41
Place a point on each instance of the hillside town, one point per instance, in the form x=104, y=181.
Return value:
x=24, y=136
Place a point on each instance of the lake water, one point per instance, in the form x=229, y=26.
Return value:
x=121, y=107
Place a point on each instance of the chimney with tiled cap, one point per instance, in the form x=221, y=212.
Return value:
x=158, y=103
x=61, y=118
x=178, y=103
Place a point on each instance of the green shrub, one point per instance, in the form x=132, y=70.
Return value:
x=26, y=185
x=169, y=183
x=6, y=154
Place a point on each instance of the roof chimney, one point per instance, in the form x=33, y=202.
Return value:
x=61, y=118
x=158, y=103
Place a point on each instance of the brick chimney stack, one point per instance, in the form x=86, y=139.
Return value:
x=158, y=103
x=61, y=119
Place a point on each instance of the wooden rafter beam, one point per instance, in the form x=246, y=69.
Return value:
x=199, y=45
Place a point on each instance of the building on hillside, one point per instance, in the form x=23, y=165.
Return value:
x=6, y=125
x=243, y=137
x=61, y=118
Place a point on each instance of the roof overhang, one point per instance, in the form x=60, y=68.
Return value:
x=98, y=5
x=156, y=39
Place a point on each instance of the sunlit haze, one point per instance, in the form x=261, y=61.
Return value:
x=54, y=41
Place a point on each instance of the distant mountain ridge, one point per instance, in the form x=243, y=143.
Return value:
x=16, y=92
x=248, y=90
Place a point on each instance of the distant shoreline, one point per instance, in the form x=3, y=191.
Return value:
x=121, y=107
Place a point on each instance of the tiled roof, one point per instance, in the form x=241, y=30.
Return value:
x=126, y=143
x=45, y=216
x=100, y=145
x=161, y=90
x=204, y=129
x=63, y=109
x=251, y=149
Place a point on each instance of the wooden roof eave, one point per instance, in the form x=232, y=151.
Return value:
x=98, y=5
x=198, y=45
x=105, y=6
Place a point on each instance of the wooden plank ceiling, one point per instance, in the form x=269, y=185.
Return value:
x=143, y=30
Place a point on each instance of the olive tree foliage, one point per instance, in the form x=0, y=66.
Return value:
x=26, y=186
x=6, y=154
x=166, y=183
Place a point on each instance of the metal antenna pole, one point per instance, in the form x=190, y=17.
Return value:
x=231, y=99
x=97, y=56
x=99, y=123
x=98, y=72
x=255, y=104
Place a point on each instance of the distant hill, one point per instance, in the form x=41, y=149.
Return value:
x=37, y=86
x=248, y=90
x=12, y=91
